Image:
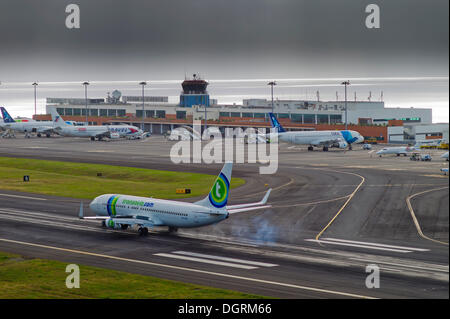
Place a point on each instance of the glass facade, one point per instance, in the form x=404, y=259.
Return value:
x=296, y=118
x=322, y=119
x=160, y=114
x=181, y=115
x=310, y=118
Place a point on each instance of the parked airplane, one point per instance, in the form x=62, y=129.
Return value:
x=26, y=126
x=92, y=131
x=444, y=170
x=403, y=150
x=122, y=211
x=445, y=155
x=324, y=139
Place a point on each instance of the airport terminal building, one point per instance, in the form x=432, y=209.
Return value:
x=155, y=114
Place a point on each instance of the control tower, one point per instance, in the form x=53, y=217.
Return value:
x=194, y=92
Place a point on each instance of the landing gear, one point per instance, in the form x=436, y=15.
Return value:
x=39, y=135
x=350, y=147
x=325, y=148
x=124, y=227
x=143, y=231
x=47, y=135
x=92, y=138
x=173, y=229
x=103, y=224
x=310, y=148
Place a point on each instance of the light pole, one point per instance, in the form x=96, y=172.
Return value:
x=143, y=112
x=35, y=85
x=86, y=100
x=272, y=83
x=345, y=83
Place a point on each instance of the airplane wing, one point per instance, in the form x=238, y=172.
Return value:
x=45, y=130
x=246, y=209
x=126, y=220
x=129, y=220
x=262, y=202
x=326, y=141
x=233, y=209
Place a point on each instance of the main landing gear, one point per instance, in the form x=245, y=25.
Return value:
x=173, y=229
x=310, y=148
x=325, y=148
x=143, y=231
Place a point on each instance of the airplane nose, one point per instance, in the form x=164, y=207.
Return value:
x=94, y=205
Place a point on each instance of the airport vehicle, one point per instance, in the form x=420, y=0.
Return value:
x=122, y=211
x=371, y=140
x=444, y=170
x=25, y=125
x=324, y=139
x=430, y=144
x=367, y=146
x=445, y=155
x=93, y=131
x=402, y=150
x=426, y=158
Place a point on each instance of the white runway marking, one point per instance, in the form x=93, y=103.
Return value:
x=206, y=261
x=248, y=262
x=360, y=244
x=25, y=197
x=375, y=244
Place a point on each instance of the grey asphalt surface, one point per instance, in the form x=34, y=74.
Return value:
x=309, y=189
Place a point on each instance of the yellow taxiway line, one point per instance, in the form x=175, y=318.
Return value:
x=416, y=222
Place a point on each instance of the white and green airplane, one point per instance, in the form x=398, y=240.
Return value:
x=123, y=211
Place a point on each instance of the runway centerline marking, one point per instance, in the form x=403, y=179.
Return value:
x=275, y=283
x=413, y=215
x=242, y=261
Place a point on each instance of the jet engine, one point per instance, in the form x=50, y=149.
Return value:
x=342, y=144
x=114, y=135
x=110, y=223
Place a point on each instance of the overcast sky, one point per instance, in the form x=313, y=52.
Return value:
x=221, y=39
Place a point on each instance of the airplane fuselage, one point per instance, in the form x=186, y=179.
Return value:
x=158, y=212
x=317, y=137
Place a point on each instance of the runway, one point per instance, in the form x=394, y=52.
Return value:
x=333, y=214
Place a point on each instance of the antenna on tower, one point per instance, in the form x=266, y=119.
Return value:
x=337, y=96
x=318, y=96
x=370, y=96
x=381, y=96
x=355, y=97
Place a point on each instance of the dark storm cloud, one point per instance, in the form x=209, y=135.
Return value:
x=325, y=34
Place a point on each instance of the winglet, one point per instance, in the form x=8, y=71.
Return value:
x=266, y=197
x=80, y=214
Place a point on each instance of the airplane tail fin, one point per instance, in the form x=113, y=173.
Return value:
x=6, y=117
x=275, y=124
x=218, y=196
x=56, y=118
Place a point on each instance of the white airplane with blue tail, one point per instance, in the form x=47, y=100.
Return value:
x=324, y=139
